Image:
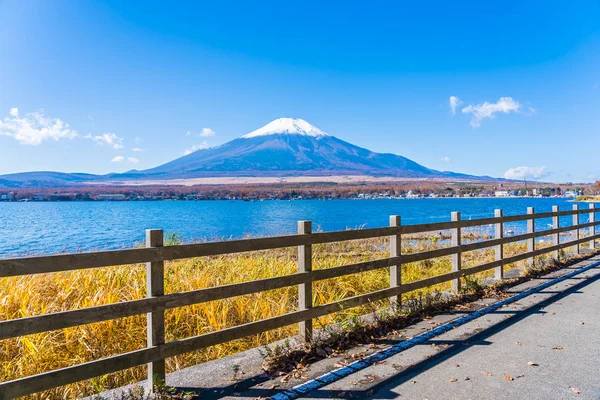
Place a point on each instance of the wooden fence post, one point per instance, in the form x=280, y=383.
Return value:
x=305, y=328
x=577, y=232
x=531, y=229
x=456, y=257
x=155, y=287
x=395, y=270
x=592, y=228
x=556, y=236
x=499, y=249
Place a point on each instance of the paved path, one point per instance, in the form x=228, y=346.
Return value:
x=488, y=358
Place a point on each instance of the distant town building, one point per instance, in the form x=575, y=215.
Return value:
x=501, y=193
x=571, y=193
x=111, y=197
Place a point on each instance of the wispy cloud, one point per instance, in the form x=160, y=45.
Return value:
x=454, y=103
x=505, y=105
x=203, y=145
x=34, y=128
x=120, y=159
x=205, y=132
x=532, y=173
x=446, y=159
x=109, y=139
x=137, y=150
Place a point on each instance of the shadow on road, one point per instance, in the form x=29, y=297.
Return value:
x=247, y=389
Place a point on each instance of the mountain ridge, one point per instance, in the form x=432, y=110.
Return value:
x=284, y=147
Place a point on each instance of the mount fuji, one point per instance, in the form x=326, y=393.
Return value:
x=292, y=147
x=285, y=147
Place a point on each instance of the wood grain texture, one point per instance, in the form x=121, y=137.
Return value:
x=499, y=248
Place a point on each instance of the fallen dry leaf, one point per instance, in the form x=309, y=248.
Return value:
x=575, y=390
x=532, y=364
x=487, y=373
x=453, y=379
x=508, y=377
x=557, y=347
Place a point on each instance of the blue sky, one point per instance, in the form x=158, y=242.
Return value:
x=162, y=77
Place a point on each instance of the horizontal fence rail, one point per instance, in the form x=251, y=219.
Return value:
x=156, y=303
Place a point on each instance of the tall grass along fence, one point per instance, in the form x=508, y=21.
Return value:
x=156, y=302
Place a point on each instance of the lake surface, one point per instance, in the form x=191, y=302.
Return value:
x=52, y=227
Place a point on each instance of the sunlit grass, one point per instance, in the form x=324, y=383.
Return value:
x=47, y=293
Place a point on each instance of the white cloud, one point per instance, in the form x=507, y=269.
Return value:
x=531, y=173
x=446, y=159
x=120, y=159
x=137, y=150
x=138, y=140
x=454, y=102
x=504, y=105
x=34, y=128
x=109, y=139
x=192, y=149
x=205, y=132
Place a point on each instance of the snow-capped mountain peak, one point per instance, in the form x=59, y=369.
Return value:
x=295, y=126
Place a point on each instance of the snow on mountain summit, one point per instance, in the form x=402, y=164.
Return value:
x=295, y=126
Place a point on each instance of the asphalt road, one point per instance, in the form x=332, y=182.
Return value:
x=545, y=346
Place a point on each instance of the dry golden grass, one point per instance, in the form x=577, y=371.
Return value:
x=46, y=293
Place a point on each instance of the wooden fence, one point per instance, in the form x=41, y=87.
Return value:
x=155, y=254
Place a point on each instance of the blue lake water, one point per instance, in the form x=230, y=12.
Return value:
x=53, y=227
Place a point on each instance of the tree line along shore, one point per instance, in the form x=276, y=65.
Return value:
x=288, y=191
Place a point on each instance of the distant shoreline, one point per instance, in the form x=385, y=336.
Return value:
x=291, y=188
x=297, y=199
